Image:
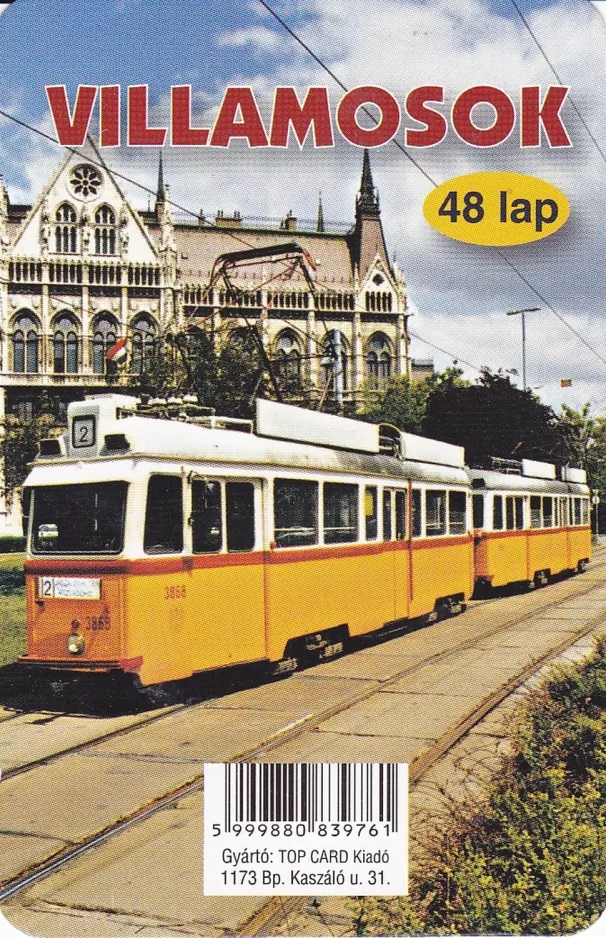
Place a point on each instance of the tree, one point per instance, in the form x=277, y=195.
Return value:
x=224, y=371
x=20, y=439
x=404, y=402
x=494, y=418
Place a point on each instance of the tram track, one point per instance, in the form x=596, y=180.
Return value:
x=166, y=712
x=419, y=767
x=278, y=910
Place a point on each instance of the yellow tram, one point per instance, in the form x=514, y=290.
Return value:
x=162, y=548
x=529, y=526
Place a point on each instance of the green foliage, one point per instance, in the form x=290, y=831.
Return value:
x=12, y=544
x=20, y=439
x=531, y=858
x=494, y=418
x=404, y=402
x=225, y=372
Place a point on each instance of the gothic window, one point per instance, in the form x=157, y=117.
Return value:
x=288, y=358
x=330, y=371
x=26, y=344
x=144, y=340
x=105, y=334
x=65, y=345
x=66, y=229
x=378, y=360
x=105, y=230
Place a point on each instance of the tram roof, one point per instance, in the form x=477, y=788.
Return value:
x=509, y=482
x=167, y=441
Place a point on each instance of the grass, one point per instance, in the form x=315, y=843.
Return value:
x=12, y=608
x=530, y=857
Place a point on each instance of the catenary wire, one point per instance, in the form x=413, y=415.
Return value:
x=501, y=254
x=555, y=73
x=210, y=225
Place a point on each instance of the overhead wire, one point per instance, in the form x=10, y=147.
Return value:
x=434, y=183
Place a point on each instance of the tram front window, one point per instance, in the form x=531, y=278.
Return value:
x=79, y=519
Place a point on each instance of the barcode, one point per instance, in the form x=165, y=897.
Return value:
x=311, y=793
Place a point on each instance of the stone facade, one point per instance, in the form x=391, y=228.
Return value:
x=82, y=268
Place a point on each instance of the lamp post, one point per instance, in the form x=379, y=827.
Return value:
x=522, y=313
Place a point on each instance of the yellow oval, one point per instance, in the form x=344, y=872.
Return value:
x=496, y=209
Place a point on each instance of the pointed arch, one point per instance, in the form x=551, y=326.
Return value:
x=378, y=360
x=66, y=229
x=66, y=344
x=144, y=336
x=26, y=343
x=105, y=332
x=106, y=230
x=287, y=357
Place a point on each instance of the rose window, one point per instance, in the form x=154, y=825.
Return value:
x=85, y=181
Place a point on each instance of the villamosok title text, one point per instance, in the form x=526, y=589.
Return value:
x=366, y=116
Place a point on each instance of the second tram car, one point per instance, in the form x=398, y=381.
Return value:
x=162, y=548
x=529, y=526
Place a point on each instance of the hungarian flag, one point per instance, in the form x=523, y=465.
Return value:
x=117, y=352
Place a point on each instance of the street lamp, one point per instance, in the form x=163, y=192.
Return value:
x=522, y=313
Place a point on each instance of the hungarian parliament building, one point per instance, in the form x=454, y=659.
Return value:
x=83, y=269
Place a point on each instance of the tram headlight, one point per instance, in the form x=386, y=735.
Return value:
x=75, y=644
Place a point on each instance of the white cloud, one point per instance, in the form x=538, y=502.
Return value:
x=257, y=37
x=461, y=292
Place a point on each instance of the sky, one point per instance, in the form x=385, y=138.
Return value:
x=459, y=294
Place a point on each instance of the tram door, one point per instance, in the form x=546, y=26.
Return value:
x=228, y=581
x=395, y=529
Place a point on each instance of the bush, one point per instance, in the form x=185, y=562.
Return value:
x=531, y=858
x=11, y=544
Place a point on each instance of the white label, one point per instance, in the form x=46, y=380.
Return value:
x=298, y=829
x=69, y=587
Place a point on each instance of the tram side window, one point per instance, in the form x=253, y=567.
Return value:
x=417, y=518
x=206, y=522
x=240, y=505
x=547, y=512
x=535, y=511
x=457, y=513
x=577, y=511
x=295, y=513
x=340, y=513
x=387, y=515
x=435, y=506
x=497, y=513
x=564, y=512
x=478, y=511
x=519, y=512
x=400, y=515
x=164, y=516
x=514, y=513
x=371, y=512
x=509, y=514
x=584, y=511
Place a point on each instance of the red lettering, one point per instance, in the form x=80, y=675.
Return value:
x=435, y=123
x=239, y=101
x=182, y=133
x=548, y=114
x=71, y=129
x=139, y=134
x=314, y=111
x=359, y=97
x=505, y=116
x=110, y=116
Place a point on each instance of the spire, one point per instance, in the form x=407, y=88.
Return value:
x=160, y=196
x=320, y=225
x=368, y=199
